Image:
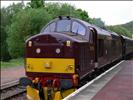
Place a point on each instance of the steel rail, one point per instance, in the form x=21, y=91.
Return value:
x=11, y=89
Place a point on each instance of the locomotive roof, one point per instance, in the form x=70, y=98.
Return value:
x=127, y=38
x=101, y=32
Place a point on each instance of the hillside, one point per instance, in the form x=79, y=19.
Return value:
x=123, y=29
x=128, y=26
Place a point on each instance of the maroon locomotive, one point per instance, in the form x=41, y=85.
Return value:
x=69, y=49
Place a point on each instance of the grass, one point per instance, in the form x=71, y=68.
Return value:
x=12, y=63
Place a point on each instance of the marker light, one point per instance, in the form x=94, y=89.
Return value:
x=68, y=43
x=30, y=43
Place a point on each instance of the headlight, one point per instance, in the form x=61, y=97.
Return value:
x=38, y=50
x=58, y=50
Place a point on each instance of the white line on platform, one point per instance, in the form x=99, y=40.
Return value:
x=86, y=85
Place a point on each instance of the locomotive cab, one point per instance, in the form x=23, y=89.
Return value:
x=53, y=50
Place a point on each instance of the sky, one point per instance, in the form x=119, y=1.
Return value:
x=111, y=12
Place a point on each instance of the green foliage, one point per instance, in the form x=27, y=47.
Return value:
x=128, y=26
x=36, y=3
x=3, y=44
x=57, y=9
x=6, y=16
x=120, y=30
x=14, y=8
x=13, y=63
x=5, y=20
x=98, y=22
x=53, y=9
x=83, y=15
x=66, y=10
x=123, y=29
x=25, y=23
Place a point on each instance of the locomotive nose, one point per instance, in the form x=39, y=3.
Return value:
x=48, y=45
x=44, y=45
x=49, y=53
x=46, y=39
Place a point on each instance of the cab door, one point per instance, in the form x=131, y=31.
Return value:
x=93, y=48
x=88, y=52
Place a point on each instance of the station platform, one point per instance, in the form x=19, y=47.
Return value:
x=114, y=84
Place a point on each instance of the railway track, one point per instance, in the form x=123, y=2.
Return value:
x=12, y=90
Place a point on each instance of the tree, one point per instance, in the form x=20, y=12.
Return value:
x=98, y=22
x=53, y=9
x=67, y=10
x=5, y=20
x=120, y=30
x=83, y=15
x=22, y=26
x=4, y=49
x=6, y=16
x=57, y=9
x=36, y=3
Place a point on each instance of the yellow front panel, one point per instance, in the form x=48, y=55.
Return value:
x=50, y=65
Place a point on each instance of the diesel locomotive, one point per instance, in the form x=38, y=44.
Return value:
x=67, y=50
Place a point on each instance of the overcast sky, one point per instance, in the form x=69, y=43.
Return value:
x=111, y=12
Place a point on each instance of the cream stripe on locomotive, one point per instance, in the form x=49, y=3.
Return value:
x=50, y=65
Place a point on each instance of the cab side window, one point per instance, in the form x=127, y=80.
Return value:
x=78, y=28
x=63, y=25
x=50, y=27
x=46, y=29
x=75, y=27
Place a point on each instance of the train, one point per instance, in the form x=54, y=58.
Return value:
x=65, y=52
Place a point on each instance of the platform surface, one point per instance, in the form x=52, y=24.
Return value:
x=115, y=85
x=120, y=87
